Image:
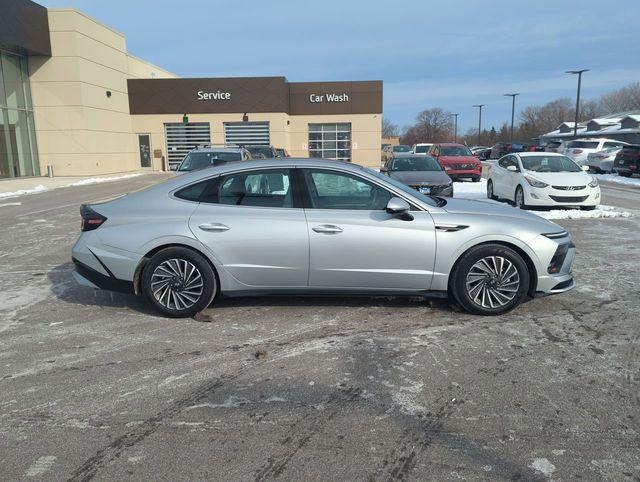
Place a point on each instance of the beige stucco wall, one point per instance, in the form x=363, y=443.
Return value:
x=365, y=129
x=79, y=130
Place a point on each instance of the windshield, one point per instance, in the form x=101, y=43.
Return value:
x=401, y=148
x=402, y=187
x=200, y=160
x=455, y=151
x=583, y=144
x=549, y=164
x=258, y=152
x=423, y=163
x=421, y=149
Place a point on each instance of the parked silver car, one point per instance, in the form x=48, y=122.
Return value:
x=310, y=226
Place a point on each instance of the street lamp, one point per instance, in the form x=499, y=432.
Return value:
x=513, y=111
x=579, y=74
x=479, y=106
x=455, y=128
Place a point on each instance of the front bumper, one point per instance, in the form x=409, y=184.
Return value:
x=434, y=190
x=550, y=197
x=462, y=173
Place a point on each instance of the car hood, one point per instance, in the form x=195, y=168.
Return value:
x=458, y=159
x=562, y=178
x=489, y=208
x=427, y=178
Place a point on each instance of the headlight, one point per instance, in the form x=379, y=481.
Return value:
x=534, y=182
x=594, y=182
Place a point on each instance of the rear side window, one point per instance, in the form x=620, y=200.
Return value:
x=612, y=144
x=263, y=188
x=582, y=145
x=193, y=192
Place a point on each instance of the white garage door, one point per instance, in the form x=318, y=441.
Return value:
x=247, y=133
x=181, y=138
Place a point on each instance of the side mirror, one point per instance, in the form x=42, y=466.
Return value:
x=173, y=167
x=384, y=169
x=399, y=208
x=512, y=168
x=585, y=168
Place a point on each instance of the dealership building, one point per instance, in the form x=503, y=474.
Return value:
x=74, y=102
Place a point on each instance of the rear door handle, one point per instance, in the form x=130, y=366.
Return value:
x=216, y=227
x=327, y=229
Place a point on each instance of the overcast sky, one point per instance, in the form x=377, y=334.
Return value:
x=450, y=54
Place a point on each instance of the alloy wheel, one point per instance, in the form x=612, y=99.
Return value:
x=492, y=282
x=520, y=198
x=177, y=284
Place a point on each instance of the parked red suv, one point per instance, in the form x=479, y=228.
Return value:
x=457, y=161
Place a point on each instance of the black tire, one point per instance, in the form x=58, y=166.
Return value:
x=490, y=194
x=458, y=279
x=516, y=198
x=624, y=174
x=476, y=179
x=186, y=257
x=587, y=208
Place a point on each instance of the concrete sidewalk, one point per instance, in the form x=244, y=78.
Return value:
x=29, y=185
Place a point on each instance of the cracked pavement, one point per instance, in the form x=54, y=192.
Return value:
x=95, y=385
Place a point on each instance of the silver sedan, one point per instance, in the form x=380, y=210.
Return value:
x=309, y=226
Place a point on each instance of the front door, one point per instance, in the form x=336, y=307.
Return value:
x=249, y=222
x=355, y=243
x=144, y=148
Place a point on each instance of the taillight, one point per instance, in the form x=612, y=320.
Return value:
x=577, y=151
x=90, y=219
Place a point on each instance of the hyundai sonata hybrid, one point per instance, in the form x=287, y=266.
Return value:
x=310, y=226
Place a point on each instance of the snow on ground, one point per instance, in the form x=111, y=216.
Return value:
x=632, y=181
x=478, y=191
x=98, y=180
x=22, y=192
x=83, y=182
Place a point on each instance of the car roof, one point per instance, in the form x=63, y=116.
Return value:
x=449, y=144
x=537, y=154
x=400, y=155
x=423, y=144
x=217, y=149
x=599, y=139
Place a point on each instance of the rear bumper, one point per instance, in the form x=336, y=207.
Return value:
x=87, y=276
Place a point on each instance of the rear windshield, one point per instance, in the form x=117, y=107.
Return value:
x=417, y=163
x=455, y=151
x=583, y=144
x=421, y=149
x=200, y=160
x=260, y=152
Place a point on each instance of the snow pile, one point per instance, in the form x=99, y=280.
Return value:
x=22, y=192
x=631, y=181
x=98, y=180
x=478, y=191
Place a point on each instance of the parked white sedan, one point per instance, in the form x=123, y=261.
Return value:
x=542, y=179
x=579, y=149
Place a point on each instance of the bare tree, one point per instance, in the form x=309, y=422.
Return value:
x=621, y=100
x=432, y=125
x=389, y=129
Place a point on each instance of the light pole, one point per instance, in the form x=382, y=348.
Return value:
x=579, y=73
x=479, y=106
x=455, y=128
x=513, y=111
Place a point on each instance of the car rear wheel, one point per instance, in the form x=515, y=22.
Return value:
x=490, y=279
x=519, y=198
x=179, y=282
x=490, y=194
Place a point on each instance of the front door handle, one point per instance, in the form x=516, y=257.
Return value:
x=215, y=227
x=327, y=229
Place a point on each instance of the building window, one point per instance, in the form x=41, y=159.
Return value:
x=18, y=151
x=330, y=141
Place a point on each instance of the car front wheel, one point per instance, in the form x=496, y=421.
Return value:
x=519, y=198
x=490, y=279
x=490, y=194
x=179, y=282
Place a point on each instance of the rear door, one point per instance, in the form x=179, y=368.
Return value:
x=251, y=221
x=355, y=243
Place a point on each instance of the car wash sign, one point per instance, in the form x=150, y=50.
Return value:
x=337, y=98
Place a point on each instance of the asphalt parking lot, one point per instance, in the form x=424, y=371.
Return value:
x=94, y=385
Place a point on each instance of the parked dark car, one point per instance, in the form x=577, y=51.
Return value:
x=422, y=173
x=627, y=162
x=457, y=161
x=503, y=148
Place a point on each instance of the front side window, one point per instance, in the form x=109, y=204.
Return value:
x=330, y=141
x=336, y=190
x=608, y=145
